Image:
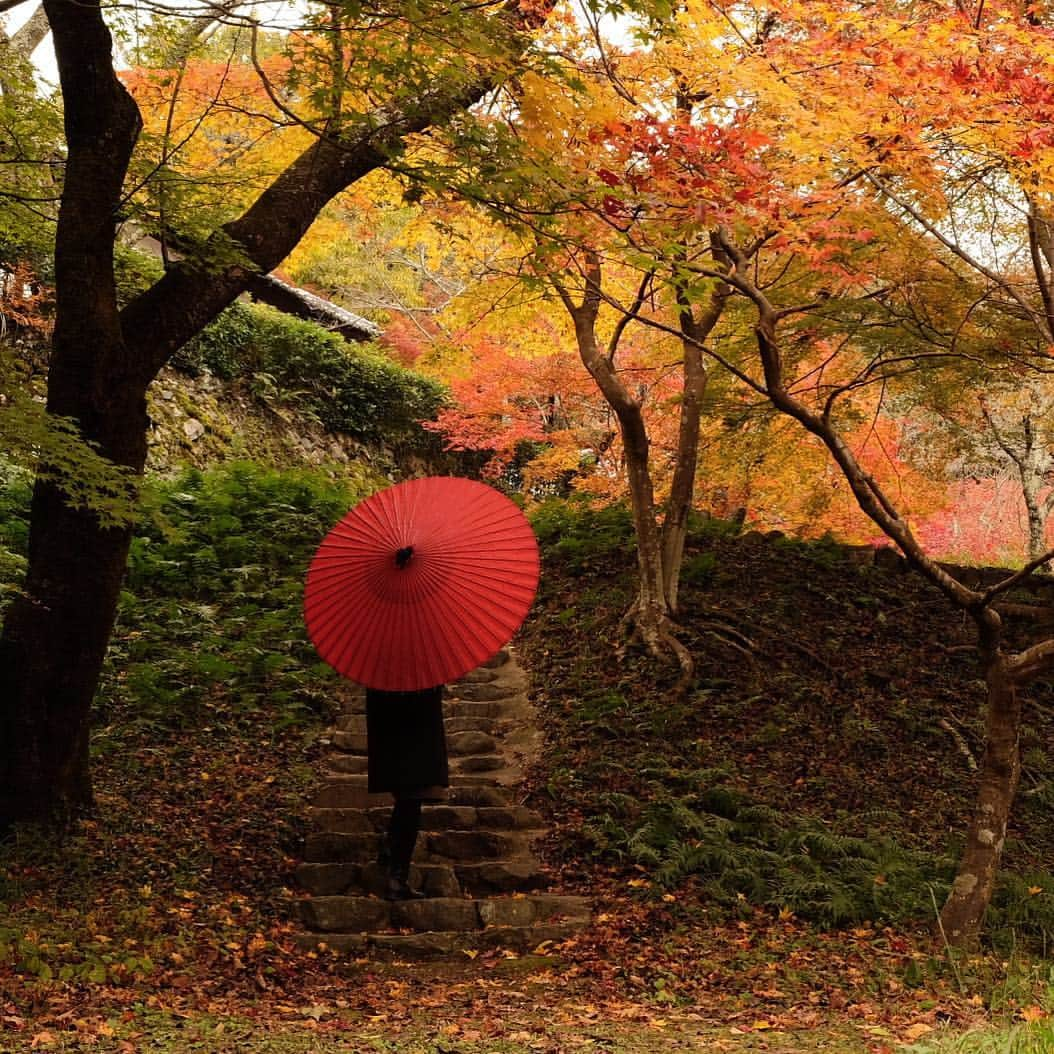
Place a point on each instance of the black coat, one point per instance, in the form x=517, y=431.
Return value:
x=406, y=742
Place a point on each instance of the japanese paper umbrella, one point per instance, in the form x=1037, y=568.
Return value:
x=421, y=583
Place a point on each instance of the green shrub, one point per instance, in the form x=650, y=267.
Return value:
x=210, y=623
x=15, y=493
x=577, y=535
x=352, y=389
x=134, y=271
x=740, y=851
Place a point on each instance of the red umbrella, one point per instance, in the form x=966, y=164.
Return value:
x=421, y=583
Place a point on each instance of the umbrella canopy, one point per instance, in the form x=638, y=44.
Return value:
x=421, y=583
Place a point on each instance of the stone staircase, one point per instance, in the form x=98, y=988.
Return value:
x=484, y=886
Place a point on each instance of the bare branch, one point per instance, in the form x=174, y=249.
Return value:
x=1019, y=576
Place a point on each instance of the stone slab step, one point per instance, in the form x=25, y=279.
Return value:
x=344, y=914
x=458, y=708
x=432, y=846
x=518, y=874
x=482, y=675
x=486, y=693
x=497, y=660
x=459, y=744
x=514, y=874
x=347, y=764
x=477, y=763
x=332, y=879
x=355, y=725
x=433, y=818
x=413, y=947
x=348, y=791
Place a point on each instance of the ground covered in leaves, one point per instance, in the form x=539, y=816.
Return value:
x=744, y=902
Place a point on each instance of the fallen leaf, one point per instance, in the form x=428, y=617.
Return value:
x=918, y=1030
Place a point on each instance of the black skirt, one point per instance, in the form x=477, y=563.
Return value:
x=406, y=743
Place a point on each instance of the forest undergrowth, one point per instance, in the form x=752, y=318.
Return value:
x=764, y=849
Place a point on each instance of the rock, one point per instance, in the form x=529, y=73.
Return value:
x=500, y=876
x=513, y=817
x=342, y=821
x=479, y=676
x=350, y=742
x=484, y=693
x=439, y=880
x=469, y=845
x=345, y=914
x=446, y=913
x=507, y=911
x=415, y=945
x=447, y=817
x=347, y=764
x=327, y=880
x=490, y=725
x=350, y=944
x=480, y=763
x=462, y=743
x=193, y=429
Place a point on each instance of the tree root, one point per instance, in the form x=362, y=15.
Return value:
x=657, y=632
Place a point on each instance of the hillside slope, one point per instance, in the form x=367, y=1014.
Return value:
x=822, y=760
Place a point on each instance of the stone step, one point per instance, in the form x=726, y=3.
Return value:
x=458, y=743
x=433, y=818
x=478, y=763
x=432, y=846
x=511, y=875
x=497, y=660
x=516, y=874
x=486, y=693
x=349, y=792
x=482, y=675
x=459, y=708
x=347, y=764
x=322, y=880
x=355, y=725
x=450, y=944
x=344, y=914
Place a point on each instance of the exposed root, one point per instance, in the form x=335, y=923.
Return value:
x=657, y=632
x=960, y=741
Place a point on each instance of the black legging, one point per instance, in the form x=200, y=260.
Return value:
x=402, y=834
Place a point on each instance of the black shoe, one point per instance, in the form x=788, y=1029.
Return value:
x=400, y=889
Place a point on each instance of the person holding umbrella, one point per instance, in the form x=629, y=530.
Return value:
x=416, y=586
x=406, y=757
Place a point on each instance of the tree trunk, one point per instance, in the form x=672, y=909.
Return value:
x=55, y=633
x=694, y=332
x=651, y=608
x=682, y=489
x=649, y=616
x=1037, y=522
x=963, y=914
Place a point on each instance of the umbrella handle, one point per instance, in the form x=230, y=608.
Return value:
x=402, y=556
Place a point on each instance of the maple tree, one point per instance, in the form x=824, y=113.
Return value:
x=899, y=58
x=802, y=174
